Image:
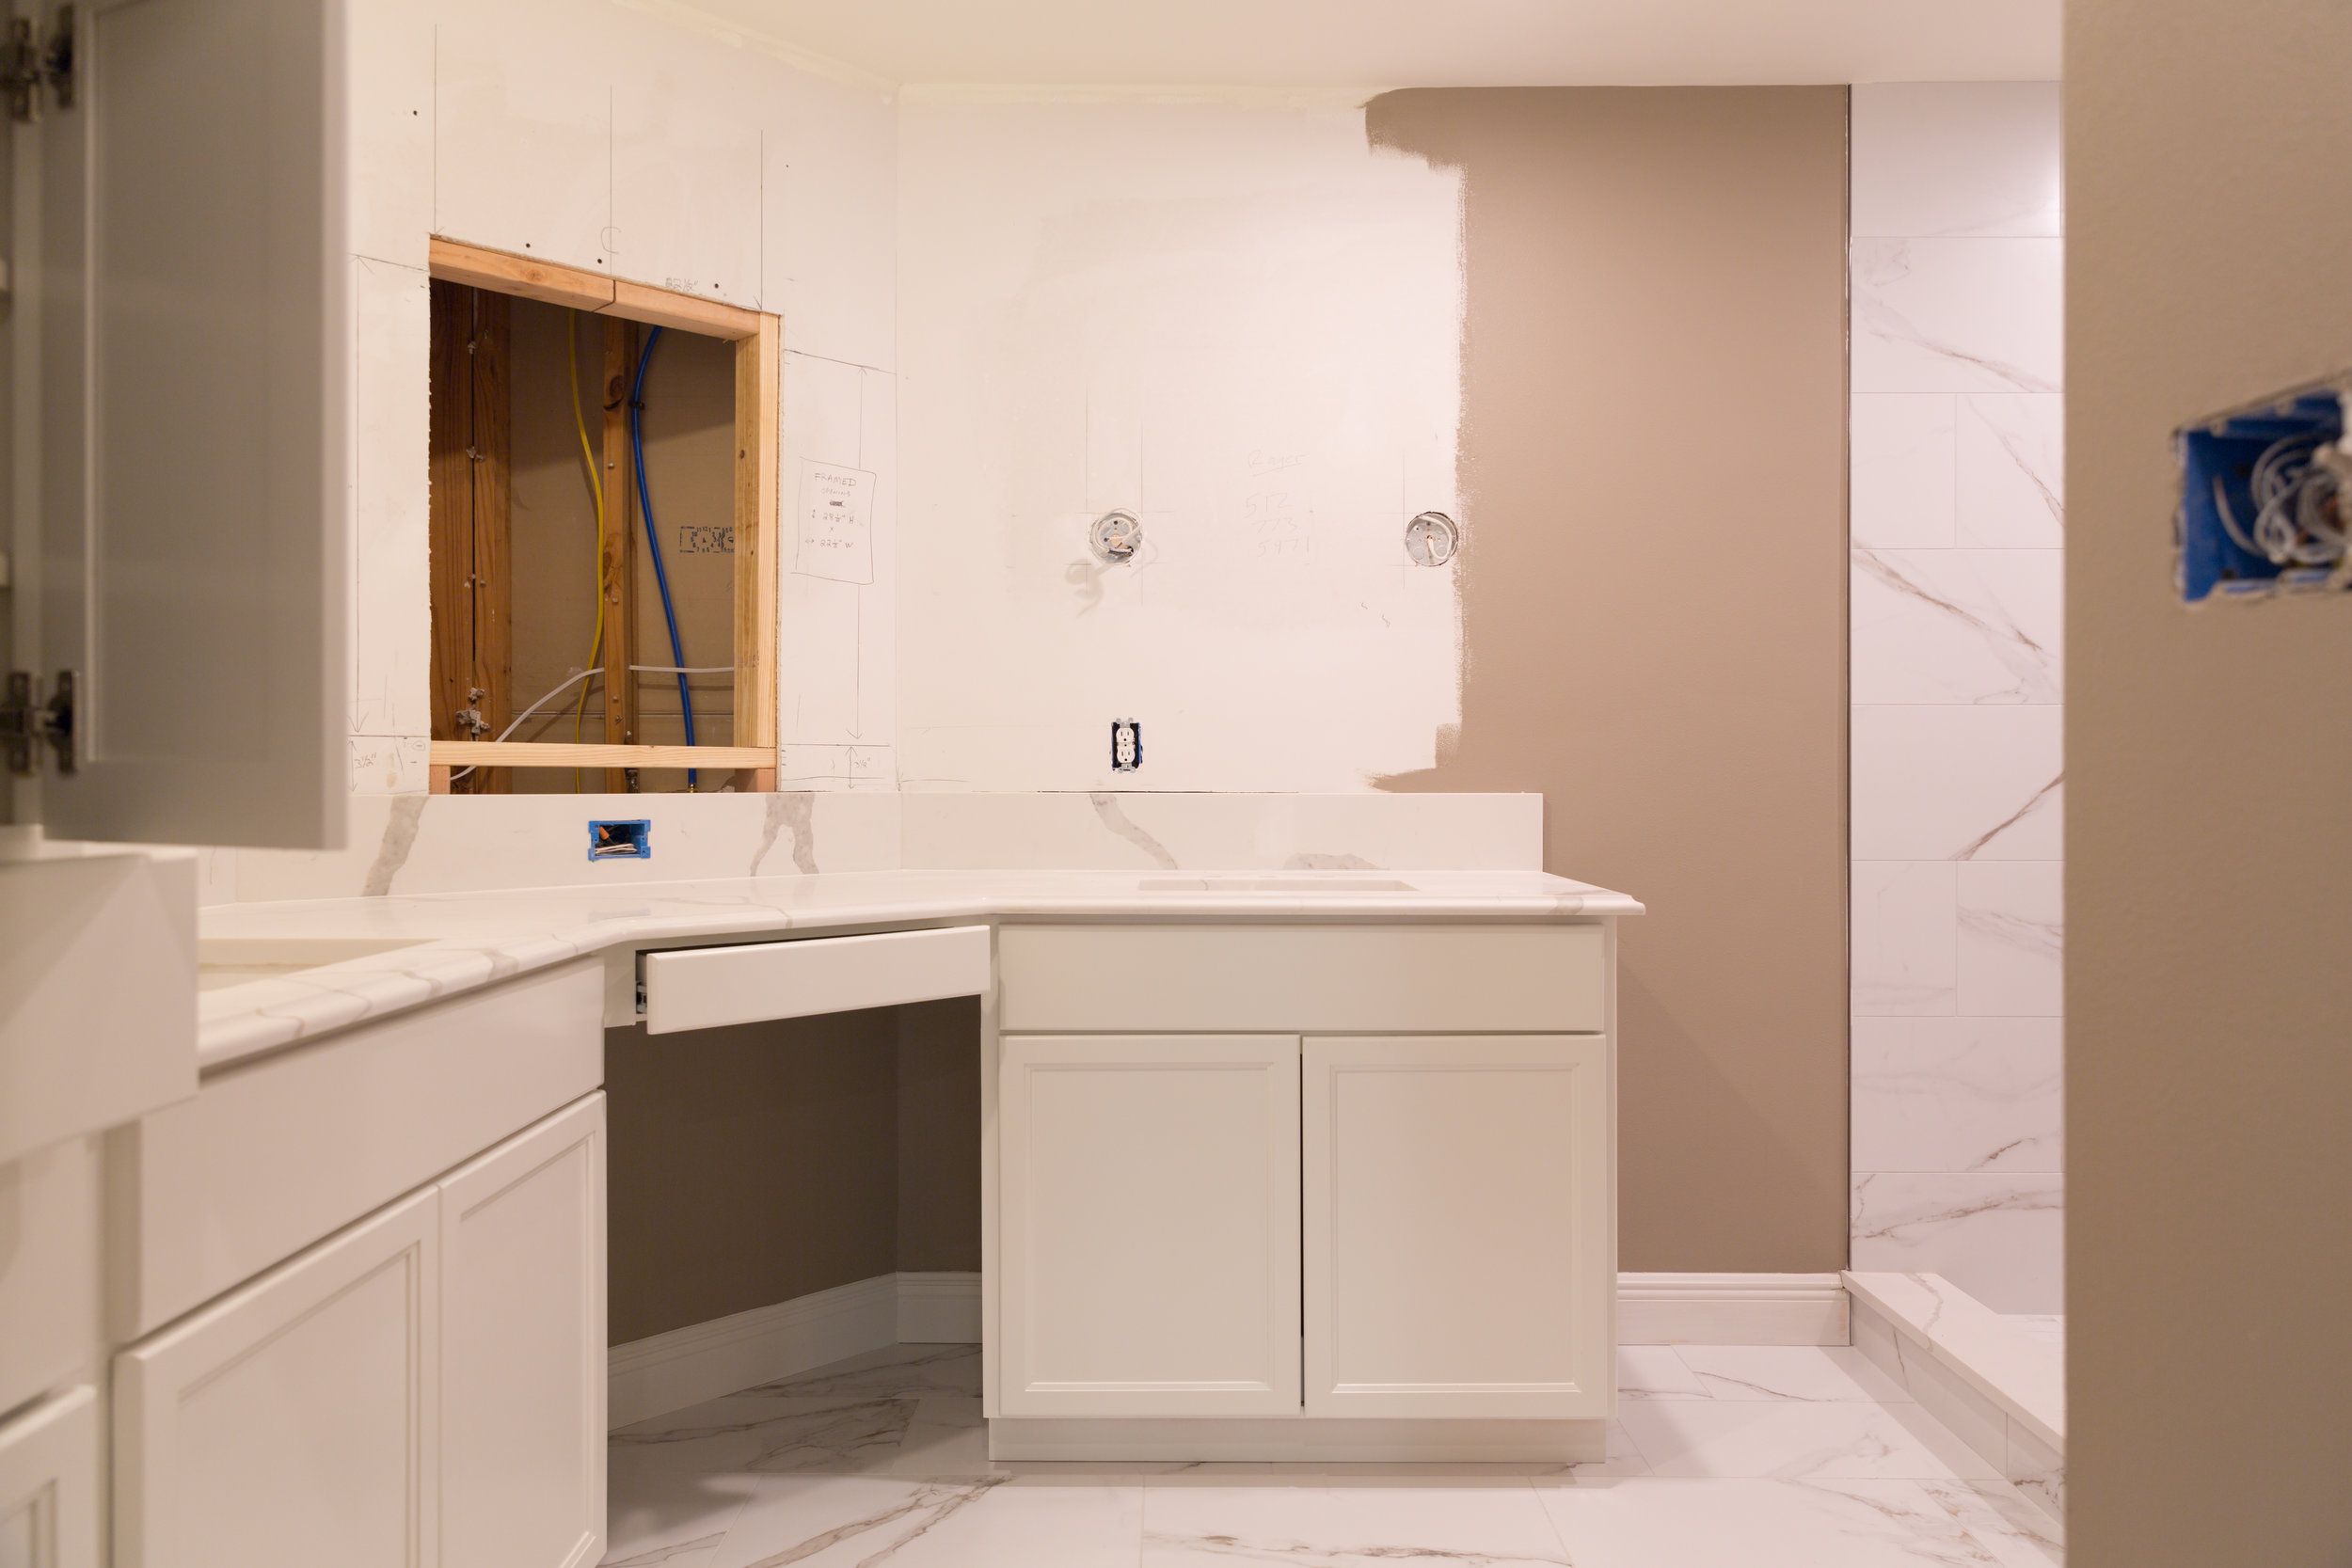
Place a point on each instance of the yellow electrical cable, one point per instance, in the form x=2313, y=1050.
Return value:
x=596, y=490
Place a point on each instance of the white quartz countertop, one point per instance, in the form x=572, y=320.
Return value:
x=450, y=944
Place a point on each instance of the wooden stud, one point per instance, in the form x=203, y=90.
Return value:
x=522, y=276
x=551, y=753
x=437, y=777
x=617, y=556
x=449, y=509
x=756, y=547
x=492, y=353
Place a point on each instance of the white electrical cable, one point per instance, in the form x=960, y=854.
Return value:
x=2297, y=518
x=579, y=675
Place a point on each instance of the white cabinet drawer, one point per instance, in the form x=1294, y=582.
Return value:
x=268, y=1158
x=1305, y=979
x=703, y=988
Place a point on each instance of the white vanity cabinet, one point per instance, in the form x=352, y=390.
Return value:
x=426, y=1386
x=1361, y=1206
x=416, y=1377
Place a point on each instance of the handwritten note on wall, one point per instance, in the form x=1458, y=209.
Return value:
x=836, y=522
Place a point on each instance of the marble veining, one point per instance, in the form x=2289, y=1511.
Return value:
x=1956, y=1093
x=2009, y=466
x=1767, y=1456
x=2040, y=938
x=2000, y=1232
x=795, y=809
x=1957, y=651
x=1115, y=817
x=797, y=1438
x=469, y=940
x=1877, y=1219
x=1986, y=621
x=1957, y=315
x=400, y=837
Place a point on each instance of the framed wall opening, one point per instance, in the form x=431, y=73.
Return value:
x=554, y=663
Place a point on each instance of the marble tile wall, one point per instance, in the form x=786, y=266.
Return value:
x=1958, y=535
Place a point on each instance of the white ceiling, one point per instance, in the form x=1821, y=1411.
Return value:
x=1389, y=43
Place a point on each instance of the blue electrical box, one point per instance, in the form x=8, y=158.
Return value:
x=621, y=841
x=2257, y=499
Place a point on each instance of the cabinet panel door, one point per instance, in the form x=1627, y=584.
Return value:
x=1149, y=1245
x=49, y=1483
x=1460, y=1258
x=293, y=1422
x=194, y=305
x=523, y=1349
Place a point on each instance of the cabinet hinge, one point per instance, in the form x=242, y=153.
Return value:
x=28, y=724
x=31, y=59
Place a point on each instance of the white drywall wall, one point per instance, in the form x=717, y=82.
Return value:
x=1238, y=322
x=602, y=138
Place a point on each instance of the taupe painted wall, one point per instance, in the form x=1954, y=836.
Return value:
x=2209, y=847
x=1653, y=464
x=757, y=1163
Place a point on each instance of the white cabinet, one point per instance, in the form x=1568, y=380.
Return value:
x=1457, y=1216
x=294, y=1421
x=49, y=1483
x=424, y=1387
x=1151, y=1225
x=523, y=1349
x=190, y=298
x=1363, y=1208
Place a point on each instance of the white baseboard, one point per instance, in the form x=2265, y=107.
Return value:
x=686, y=1366
x=1731, y=1309
x=1300, y=1439
x=668, y=1371
x=939, y=1308
x=701, y=1361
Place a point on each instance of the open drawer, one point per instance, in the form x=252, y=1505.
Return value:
x=703, y=988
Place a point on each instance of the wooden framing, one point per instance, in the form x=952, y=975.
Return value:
x=759, y=342
x=473, y=475
x=616, y=554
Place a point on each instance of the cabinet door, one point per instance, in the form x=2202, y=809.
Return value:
x=1150, y=1241
x=1459, y=1253
x=48, y=1481
x=293, y=1422
x=192, y=295
x=523, y=1349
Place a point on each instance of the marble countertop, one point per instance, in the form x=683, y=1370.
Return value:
x=450, y=944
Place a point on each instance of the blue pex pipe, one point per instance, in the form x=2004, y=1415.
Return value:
x=653, y=539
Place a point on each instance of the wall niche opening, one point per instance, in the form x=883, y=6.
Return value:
x=555, y=666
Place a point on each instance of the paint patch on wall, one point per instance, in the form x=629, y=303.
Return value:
x=1241, y=326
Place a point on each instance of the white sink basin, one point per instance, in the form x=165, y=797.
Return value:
x=1325, y=886
x=234, y=961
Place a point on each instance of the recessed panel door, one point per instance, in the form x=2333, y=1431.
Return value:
x=293, y=1422
x=1151, y=1225
x=1459, y=1252
x=523, y=1361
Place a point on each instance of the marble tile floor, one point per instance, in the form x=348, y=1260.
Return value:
x=1759, y=1456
